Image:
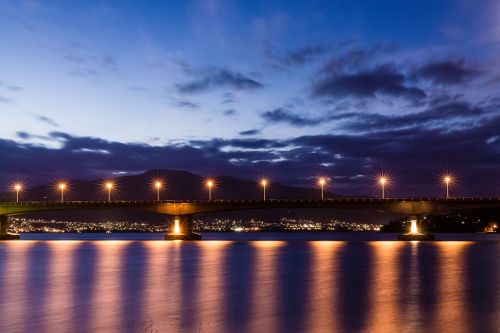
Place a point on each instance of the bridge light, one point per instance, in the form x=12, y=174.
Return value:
x=210, y=183
x=109, y=185
x=158, y=185
x=383, y=181
x=322, y=181
x=264, y=182
x=62, y=187
x=448, y=181
x=18, y=187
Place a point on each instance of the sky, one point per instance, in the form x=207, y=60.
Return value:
x=284, y=89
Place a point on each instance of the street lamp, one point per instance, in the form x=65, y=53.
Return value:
x=264, y=182
x=62, y=187
x=109, y=186
x=158, y=185
x=322, y=182
x=18, y=187
x=210, y=184
x=447, y=180
x=383, y=181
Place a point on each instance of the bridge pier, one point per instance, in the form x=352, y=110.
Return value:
x=415, y=234
x=4, y=225
x=182, y=229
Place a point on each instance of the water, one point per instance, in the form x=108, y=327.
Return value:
x=249, y=286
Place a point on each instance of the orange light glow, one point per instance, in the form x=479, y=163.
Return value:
x=210, y=183
x=17, y=187
x=383, y=181
x=448, y=180
x=109, y=185
x=177, y=227
x=322, y=181
x=264, y=182
x=62, y=186
x=413, y=227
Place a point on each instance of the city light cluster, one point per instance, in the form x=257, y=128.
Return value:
x=23, y=225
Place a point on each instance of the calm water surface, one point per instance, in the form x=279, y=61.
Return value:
x=249, y=286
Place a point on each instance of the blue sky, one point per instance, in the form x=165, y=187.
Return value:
x=290, y=88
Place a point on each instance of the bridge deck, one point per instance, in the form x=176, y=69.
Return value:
x=421, y=205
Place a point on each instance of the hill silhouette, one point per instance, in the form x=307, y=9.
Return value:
x=178, y=185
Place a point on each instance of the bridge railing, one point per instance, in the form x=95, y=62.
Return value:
x=249, y=201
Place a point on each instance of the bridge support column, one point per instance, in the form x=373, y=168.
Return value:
x=182, y=229
x=414, y=233
x=4, y=225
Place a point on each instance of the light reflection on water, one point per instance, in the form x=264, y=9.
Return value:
x=258, y=286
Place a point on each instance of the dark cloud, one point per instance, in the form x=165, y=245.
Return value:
x=382, y=80
x=218, y=78
x=230, y=112
x=304, y=55
x=187, y=104
x=250, y=132
x=449, y=115
x=283, y=115
x=228, y=98
x=23, y=135
x=448, y=72
x=47, y=120
x=414, y=156
x=299, y=56
x=356, y=58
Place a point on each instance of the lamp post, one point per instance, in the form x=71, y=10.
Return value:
x=447, y=180
x=264, y=182
x=109, y=187
x=18, y=187
x=383, y=180
x=158, y=185
x=210, y=183
x=322, y=183
x=62, y=187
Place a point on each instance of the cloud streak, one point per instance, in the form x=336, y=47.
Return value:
x=218, y=78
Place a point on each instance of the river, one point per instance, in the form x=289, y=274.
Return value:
x=243, y=283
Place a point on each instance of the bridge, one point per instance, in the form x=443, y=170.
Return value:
x=184, y=210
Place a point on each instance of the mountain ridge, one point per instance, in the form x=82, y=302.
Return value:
x=178, y=185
